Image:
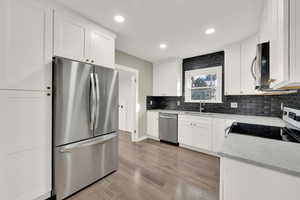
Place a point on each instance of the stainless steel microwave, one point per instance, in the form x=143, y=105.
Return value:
x=260, y=67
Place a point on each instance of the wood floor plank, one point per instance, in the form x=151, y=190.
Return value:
x=150, y=170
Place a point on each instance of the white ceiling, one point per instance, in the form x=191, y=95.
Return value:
x=178, y=23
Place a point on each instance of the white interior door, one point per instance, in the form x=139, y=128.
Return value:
x=122, y=116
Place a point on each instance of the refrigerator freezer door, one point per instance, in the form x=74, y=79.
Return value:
x=80, y=164
x=73, y=101
x=108, y=100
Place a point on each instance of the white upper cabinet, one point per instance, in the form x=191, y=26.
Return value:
x=280, y=26
x=238, y=67
x=294, y=44
x=167, y=78
x=80, y=40
x=69, y=38
x=25, y=45
x=100, y=48
x=232, y=70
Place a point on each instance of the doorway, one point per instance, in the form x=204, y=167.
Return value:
x=128, y=93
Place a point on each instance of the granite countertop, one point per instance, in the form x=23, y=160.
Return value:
x=274, y=154
x=269, y=121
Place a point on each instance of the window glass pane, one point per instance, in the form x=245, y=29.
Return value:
x=205, y=80
x=203, y=94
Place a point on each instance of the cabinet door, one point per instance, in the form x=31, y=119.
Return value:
x=152, y=124
x=265, y=31
x=25, y=45
x=68, y=38
x=156, y=80
x=195, y=133
x=233, y=70
x=25, y=145
x=219, y=126
x=169, y=77
x=248, y=182
x=248, y=54
x=100, y=49
x=295, y=42
x=279, y=43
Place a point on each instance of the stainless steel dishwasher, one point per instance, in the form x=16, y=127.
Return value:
x=168, y=127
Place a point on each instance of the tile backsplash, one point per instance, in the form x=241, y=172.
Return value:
x=247, y=105
x=265, y=105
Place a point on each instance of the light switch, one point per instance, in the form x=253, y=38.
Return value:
x=234, y=105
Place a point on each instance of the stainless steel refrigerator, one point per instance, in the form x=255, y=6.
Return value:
x=85, y=123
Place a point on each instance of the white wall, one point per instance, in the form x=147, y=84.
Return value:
x=145, y=70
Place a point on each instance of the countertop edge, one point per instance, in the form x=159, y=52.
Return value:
x=260, y=164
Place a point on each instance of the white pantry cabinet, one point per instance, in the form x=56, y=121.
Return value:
x=167, y=78
x=80, y=40
x=245, y=181
x=219, y=128
x=25, y=145
x=195, y=132
x=152, y=124
x=25, y=45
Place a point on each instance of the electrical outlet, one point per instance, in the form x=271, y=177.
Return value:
x=178, y=103
x=234, y=105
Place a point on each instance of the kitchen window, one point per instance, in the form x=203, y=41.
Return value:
x=204, y=85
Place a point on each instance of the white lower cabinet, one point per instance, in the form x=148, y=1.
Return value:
x=25, y=145
x=219, y=127
x=245, y=181
x=195, y=132
x=152, y=124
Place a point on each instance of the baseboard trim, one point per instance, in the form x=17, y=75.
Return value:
x=198, y=150
x=153, y=138
x=141, y=139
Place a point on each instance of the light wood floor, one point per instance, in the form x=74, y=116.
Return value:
x=150, y=170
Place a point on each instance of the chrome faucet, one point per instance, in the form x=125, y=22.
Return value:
x=201, y=109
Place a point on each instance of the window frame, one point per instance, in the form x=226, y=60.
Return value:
x=218, y=70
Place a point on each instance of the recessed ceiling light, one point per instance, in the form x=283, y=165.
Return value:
x=119, y=18
x=162, y=46
x=210, y=31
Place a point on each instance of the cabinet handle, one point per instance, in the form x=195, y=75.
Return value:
x=48, y=87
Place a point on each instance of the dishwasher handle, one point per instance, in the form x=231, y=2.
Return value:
x=167, y=117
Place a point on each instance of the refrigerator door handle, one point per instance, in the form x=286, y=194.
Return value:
x=95, y=141
x=97, y=100
x=92, y=101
